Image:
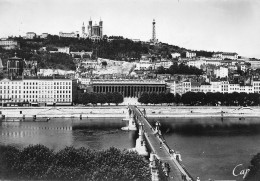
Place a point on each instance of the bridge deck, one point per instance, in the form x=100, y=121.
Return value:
x=176, y=171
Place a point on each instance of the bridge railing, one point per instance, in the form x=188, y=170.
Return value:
x=180, y=166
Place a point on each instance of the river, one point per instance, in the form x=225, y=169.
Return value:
x=210, y=147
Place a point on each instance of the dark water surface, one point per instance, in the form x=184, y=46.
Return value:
x=210, y=147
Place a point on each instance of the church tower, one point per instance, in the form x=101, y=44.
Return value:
x=101, y=28
x=90, y=28
x=83, y=29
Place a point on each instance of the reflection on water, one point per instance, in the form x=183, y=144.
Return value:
x=211, y=148
x=59, y=133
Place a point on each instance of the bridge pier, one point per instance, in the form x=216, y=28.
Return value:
x=175, y=155
x=128, y=113
x=131, y=121
x=157, y=128
x=153, y=166
x=140, y=146
x=161, y=153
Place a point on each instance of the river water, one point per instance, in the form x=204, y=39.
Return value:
x=210, y=147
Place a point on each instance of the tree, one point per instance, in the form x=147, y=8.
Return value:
x=154, y=98
x=177, y=98
x=144, y=98
x=160, y=70
x=118, y=98
x=109, y=98
x=254, y=173
x=161, y=98
x=93, y=98
x=186, y=98
x=169, y=98
x=85, y=98
x=34, y=161
x=101, y=98
x=8, y=158
x=40, y=163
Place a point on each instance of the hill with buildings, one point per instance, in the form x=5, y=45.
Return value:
x=114, y=48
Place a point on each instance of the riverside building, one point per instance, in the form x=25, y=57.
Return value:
x=36, y=91
x=128, y=87
x=181, y=87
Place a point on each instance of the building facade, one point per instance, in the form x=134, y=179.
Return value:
x=69, y=35
x=256, y=86
x=9, y=44
x=1, y=65
x=226, y=55
x=190, y=54
x=182, y=87
x=15, y=66
x=196, y=63
x=95, y=32
x=163, y=63
x=44, y=35
x=30, y=35
x=39, y=91
x=175, y=55
x=128, y=88
x=221, y=72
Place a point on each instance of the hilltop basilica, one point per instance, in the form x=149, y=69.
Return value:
x=94, y=31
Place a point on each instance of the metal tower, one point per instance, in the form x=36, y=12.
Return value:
x=154, y=40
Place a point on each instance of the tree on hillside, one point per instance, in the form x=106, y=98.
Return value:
x=160, y=70
x=54, y=60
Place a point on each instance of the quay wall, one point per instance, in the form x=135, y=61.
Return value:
x=121, y=111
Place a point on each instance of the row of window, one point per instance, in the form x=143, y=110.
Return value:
x=47, y=83
x=45, y=87
x=32, y=92
x=45, y=96
x=34, y=99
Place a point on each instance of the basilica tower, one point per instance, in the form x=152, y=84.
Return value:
x=83, y=29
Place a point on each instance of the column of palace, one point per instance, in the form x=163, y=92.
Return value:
x=129, y=90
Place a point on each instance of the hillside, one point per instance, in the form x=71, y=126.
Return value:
x=113, y=48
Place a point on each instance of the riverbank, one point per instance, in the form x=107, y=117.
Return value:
x=121, y=111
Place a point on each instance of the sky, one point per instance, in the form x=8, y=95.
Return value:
x=213, y=25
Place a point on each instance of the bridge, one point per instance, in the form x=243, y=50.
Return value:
x=158, y=146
